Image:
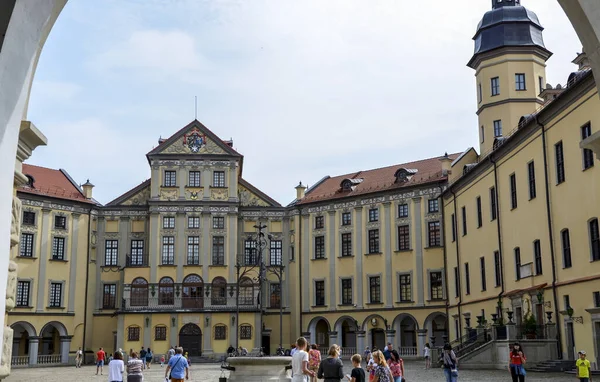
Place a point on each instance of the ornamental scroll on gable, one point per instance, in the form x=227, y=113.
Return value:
x=250, y=199
x=193, y=141
x=140, y=198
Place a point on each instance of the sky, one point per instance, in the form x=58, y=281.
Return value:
x=305, y=88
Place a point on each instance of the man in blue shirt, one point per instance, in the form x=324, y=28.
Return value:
x=178, y=366
x=387, y=353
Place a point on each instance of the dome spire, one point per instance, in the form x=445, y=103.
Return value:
x=505, y=3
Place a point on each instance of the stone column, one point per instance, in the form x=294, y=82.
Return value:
x=333, y=338
x=511, y=331
x=43, y=260
x=121, y=332
x=65, y=347
x=390, y=336
x=34, y=343
x=73, y=263
x=421, y=340
x=359, y=254
x=360, y=341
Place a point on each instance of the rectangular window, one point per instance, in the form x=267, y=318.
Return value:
x=479, y=93
x=467, y=279
x=479, y=214
x=456, y=282
x=26, y=245
x=566, y=248
x=133, y=333
x=537, y=256
x=60, y=222
x=319, y=222
x=218, y=179
x=109, y=296
x=218, y=222
x=23, y=289
x=346, y=244
x=137, y=253
x=513, y=191
x=531, y=176
x=497, y=128
x=194, y=179
x=58, y=248
x=292, y=255
x=28, y=218
x=276, y=252
x=170, y=178
x=220, y=332
x=111, y=253
x=403, y=238
x=541, y=83
x=320, y=293
x=194, y=222
x=403, y=210
x=168, y=222
x=56, y=295
x=160, y=333
x=482, y=134
x=483, y=281
x=274, y=295
x=405, y=288
x=495, y=86
x=497, y=268
x=373, y=215
x=560, y=162
x=245, y=332
x=588, y=155
x=435, y=239
x=346, y=291
x=319, y=247
x=193, y=250
x=453, y=223
x=436, y=285
x=596, y=299
x=520, y=81
x=218, y=250
x=567, y=301
x=433, y=205
x=373, y=241
x=518, y=263
x=250, y=252
x=375, y=290
x=346, y=218
x=594, y=239
x=168, y=250
x=493, y=204
x=464, y=220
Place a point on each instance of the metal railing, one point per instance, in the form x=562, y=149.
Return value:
x=194, y=303
x=408, y=351
x=472, y=343
x=21, y=360
x=133, y=261
x=49, y=359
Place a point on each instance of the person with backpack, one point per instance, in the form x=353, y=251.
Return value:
x=149, y=356
x=450, y=364
x=143, y=357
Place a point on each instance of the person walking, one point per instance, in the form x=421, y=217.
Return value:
x=100, y=357
x=583, y=368
x=387, y=352
x=314, y=360
x=450, y=364
x=78, y=358
x=516, y=360
x=134, y=368
x=300, y=370
x=427, y=355
x=143, y=356
x=170, y=353
x=331, y=368
x=149, y=356
x=116, y=368
x=382, y=371
x=396, y=365
x=177, y=368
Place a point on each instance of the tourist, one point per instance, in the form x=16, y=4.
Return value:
x=331, y=368
x=515, y=363
x=367, y=354
x=170, y=353
x=583, y=368
x=78, y=358
x=162, y=360
x=149, y=356
x=371, y=367
x=177, y=368
x=230, y=351
x=382, y=371
x=396, y=365
x=134, y=368
x=358, y=374
x=294, y=350
x=427, y=355
x=143, y=356
x=100, y=357
x=300, y=371
x=450, y=364
x=387, y=352
x=116, y=368
x=314, y=360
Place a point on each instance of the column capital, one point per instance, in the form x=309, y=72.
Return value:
x=422, y=332
x=34, y=339
x=65, y=338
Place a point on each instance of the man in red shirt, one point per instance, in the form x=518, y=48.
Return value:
x=100, y=356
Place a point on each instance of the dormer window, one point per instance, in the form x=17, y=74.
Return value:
x=30, y=181
x=350, y=184
x=347, y=185
x=403, y=175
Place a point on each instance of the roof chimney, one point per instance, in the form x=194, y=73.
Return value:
x=446, y=162
x=87, y=189
x=300, y=190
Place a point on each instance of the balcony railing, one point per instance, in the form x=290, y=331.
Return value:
x=407, y=351
x=19, y=361
x=187, y=303
x=137, y=260
x=49, y=359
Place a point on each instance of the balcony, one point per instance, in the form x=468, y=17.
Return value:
x=133, y=261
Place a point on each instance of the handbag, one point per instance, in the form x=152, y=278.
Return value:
x=454, y=372
x=174, y=367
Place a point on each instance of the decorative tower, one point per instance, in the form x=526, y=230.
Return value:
x=510, y=68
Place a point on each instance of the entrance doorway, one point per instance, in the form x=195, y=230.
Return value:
x=190, y=339
x=378, y=339
x=570, y=342
x=266, y=344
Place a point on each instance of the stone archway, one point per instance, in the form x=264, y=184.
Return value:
x=55, y=344
x=320, y=330
x=406, y=327
x=190, y=339
x=25, y=344
x=436, y=325
x=346, y=328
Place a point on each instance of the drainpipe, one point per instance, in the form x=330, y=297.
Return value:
x=446, y=268
x=550, y=235
x=300, y=264
x=498, y=227
x=87, y=277
x=459, y=281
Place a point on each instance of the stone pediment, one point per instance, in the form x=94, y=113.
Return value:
x=251, y=196
x=137, y=196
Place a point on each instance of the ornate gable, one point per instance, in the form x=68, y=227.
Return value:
x=251, y=196
x=137, y=196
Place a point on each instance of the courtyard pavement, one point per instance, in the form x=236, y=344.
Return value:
x=415, y=372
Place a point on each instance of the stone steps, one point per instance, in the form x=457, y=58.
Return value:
x=552, y=366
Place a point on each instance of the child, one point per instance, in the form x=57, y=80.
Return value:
x=583, y=368
x=110, y=358
x=162, y=360
x=300, y=362
x=427, y=355
x=358, y=374
x=371, y=366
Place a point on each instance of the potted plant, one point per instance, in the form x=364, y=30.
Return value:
x=530, y=326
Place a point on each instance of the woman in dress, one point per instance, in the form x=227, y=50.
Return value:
x=116, y=368
x=427, y=355
x=515, y=363
x=396, y=365
x=134, y=368
x=314, y=360
x=382, y=371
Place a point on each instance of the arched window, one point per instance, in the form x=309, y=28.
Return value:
x=133, y=333
x=139, y=292
x=219, y=291
x=246, y=291
x=245, y=332
x=220, y=332
x=166, y=291
x=193, y=287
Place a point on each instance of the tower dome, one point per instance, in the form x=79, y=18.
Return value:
x=508, y=24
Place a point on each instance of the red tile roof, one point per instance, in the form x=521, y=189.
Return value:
x=377, y=180
x=52, y=183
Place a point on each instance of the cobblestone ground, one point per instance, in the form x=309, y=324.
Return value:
x=210, y=373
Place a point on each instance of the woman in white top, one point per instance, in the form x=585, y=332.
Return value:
x=427, y=355
x=116, y=368
x=300, y=371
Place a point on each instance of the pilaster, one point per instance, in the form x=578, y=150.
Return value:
x=305, y=263
x=124, y=228
x=183, y=179
x=173, y=332
x=360, y=340
x=232, y=247
x=421, y=340
x=286, y=262
x=206, y=182
x=181, y=248
x=233, y=186
x=65, y=346
x=418, y=230
x=207, y=334
x=359, y=254
x=100, y=261
x=153, y=239
x=43, y=261
x=206, y=254
x=331, y=258
x=154, y=181
x=120, y=331
x=73, y=263
x=34, y=343
x=387, y=234
x=147, y=330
